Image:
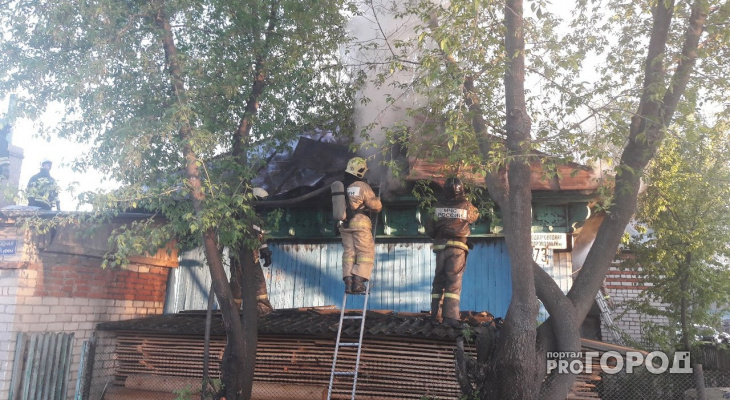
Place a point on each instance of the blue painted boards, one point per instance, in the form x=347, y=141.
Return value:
x=310, y=275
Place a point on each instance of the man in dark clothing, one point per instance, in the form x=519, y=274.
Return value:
x=450, y=229
x=42, y=189
x=263, y=305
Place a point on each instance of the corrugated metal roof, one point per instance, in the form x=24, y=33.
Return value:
x=303, y=322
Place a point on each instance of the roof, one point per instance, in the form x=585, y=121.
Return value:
x=314, y=162
x=569, y=176
x=304, y=322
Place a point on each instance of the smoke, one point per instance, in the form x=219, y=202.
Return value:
x=383, y=105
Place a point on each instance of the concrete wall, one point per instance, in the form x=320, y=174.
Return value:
x=43, y=289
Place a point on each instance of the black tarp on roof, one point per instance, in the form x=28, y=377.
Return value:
x=313, y=163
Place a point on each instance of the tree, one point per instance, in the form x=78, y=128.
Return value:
x=474, y=60
x=178, y=98
x=683, y=253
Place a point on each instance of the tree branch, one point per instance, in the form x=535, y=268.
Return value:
x=646, y=133
x=686, y=63
x=559, y=333
x=243, y=133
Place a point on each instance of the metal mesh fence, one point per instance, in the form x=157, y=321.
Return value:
x=643, y=385
x=104, y=379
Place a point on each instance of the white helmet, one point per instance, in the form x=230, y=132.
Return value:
x=357, y=166
x=260, y=193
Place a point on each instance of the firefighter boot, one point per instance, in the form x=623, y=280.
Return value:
x=450, y=312
x=436, y=309
x=348, y=284
x=264, y=307
x=358, y=285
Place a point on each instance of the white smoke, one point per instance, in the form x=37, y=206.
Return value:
x=381, y=106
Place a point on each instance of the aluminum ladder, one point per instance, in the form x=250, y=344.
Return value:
x=607, y=318
x=357, y=345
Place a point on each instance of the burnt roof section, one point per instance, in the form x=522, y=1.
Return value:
x=313, y=162
x=321, y=322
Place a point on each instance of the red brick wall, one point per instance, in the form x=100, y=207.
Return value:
x=74, y=276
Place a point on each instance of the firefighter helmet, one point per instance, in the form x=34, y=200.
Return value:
x=260, y=193
x=46, y=161
x=454, y=188
x=357, y=166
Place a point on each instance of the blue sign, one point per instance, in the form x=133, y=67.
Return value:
x=7, y=247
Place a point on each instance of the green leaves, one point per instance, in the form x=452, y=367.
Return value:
x=684, y=251
x=105, y=64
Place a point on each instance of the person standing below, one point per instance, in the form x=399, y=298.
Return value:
x=263, y=304
x=358, y=255
x=42, y=189
x=449, y=229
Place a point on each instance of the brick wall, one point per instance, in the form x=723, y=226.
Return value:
x=45, y=291
x=622, y=287
x=72, y=276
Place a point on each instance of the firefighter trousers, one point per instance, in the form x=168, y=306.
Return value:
x=262, y=294
x=358, y=252
x=450, y=266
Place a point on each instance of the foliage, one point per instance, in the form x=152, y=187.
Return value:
x=190, y=393
x=103, y=64
x=599, y=88
x=182, y=101
x=684, y=211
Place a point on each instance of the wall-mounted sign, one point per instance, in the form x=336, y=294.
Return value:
x=8, y=246
x=555, y=241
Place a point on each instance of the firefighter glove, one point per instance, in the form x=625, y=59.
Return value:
x=265, y=254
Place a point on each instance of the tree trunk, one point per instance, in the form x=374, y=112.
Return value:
x=646, y=133
x=234, y=354
x=683, y=273
x=244, y=259
x=241, y=141
x=518, y=366
x=516, y=369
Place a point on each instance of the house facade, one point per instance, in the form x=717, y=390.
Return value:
x=307, y=252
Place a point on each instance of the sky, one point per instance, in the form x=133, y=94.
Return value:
x=62, y=152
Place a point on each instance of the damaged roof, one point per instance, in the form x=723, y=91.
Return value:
x=320, y=321
x=315, y=161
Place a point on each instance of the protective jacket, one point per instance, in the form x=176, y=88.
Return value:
x=358, y=255
x=42, y=191
x=451, y=225
x=263, y=304
x=450, y=230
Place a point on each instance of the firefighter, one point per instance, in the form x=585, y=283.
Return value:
x=449, y=229
x=42, y=188
x=263, y=305
x=358, y=255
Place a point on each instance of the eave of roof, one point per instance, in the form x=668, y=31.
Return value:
x=303, y=322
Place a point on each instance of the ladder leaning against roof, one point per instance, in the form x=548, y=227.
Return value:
x=351, y=372
x=607, y=317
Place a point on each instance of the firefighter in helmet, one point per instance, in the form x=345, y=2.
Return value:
x=449, y=229
x=358, y=255
x=42, y=190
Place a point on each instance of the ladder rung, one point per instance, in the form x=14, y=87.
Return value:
x=349, y=344
x=352, y=317
x=340, y=373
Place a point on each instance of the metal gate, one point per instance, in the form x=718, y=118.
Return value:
x=41, y=366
